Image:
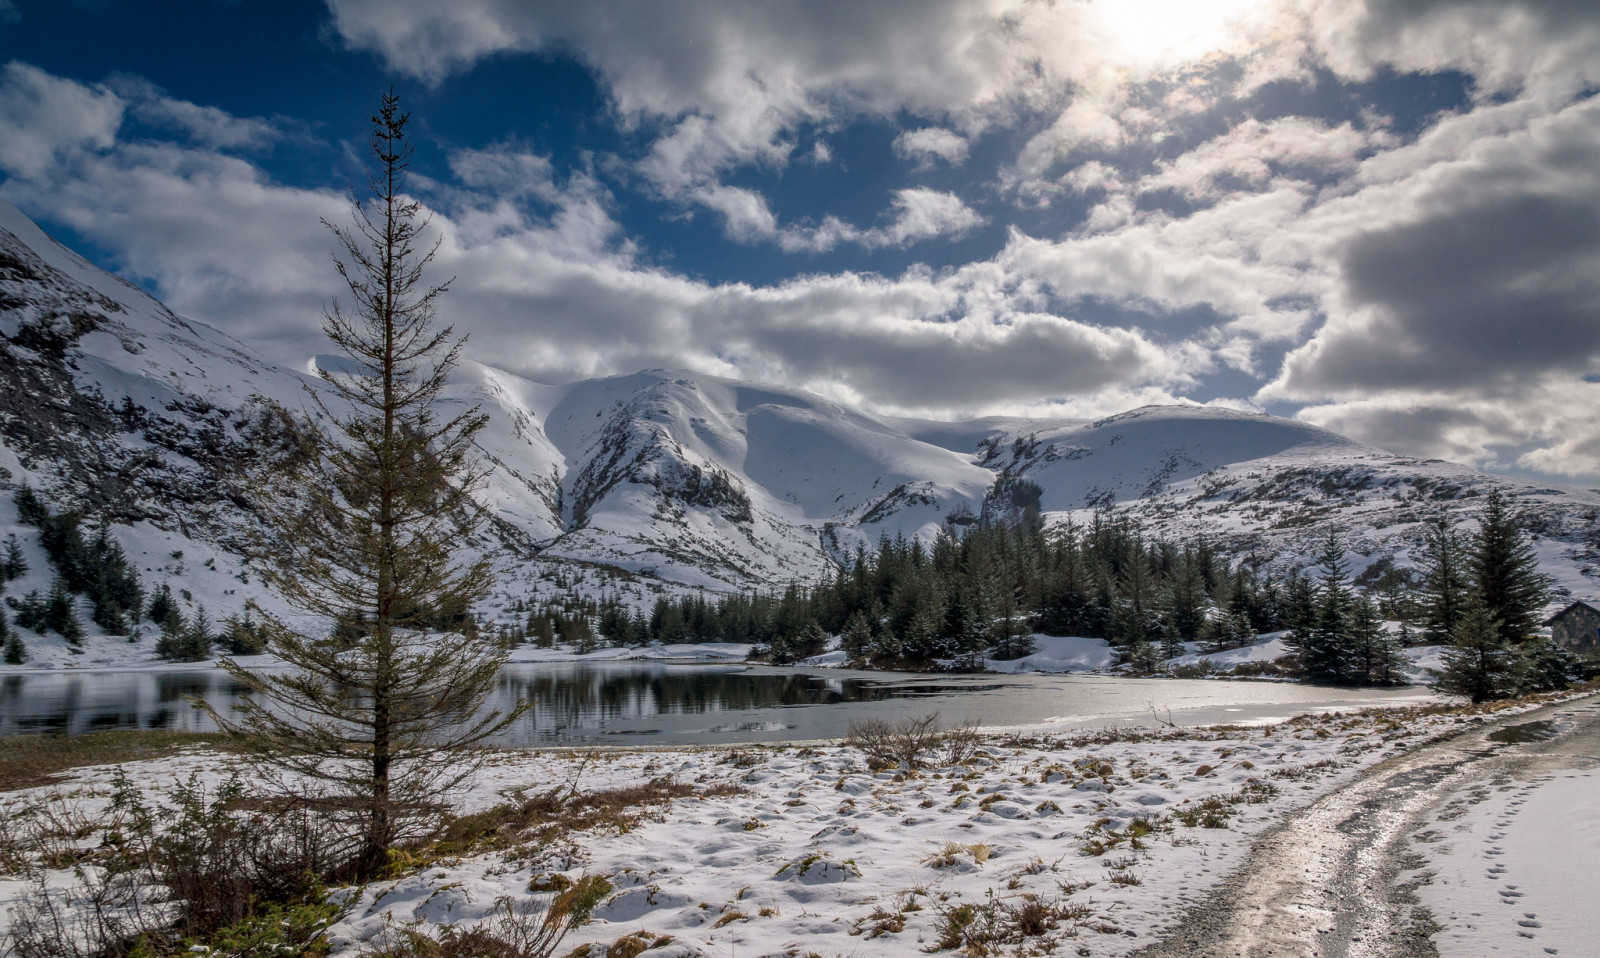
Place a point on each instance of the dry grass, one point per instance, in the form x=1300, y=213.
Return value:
x=547, y=815
x=28, y=761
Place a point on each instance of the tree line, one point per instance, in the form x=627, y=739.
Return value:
x=984, y=588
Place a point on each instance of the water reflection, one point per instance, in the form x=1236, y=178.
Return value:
x=630, y=701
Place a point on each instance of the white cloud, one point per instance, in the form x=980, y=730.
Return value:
x=46, y=118
x=932, y=143
x=562, y=295
x=204, y=125
x=917, y=214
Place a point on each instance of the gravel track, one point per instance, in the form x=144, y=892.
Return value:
x=1324, y=881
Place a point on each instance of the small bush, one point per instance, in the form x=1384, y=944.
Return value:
x=912, y=742
x=1034, y=921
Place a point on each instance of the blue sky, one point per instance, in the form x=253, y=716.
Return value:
x=1376, y=215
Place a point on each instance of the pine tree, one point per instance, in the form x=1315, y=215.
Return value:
x=1324, y=646
x=1375, y=657
x=1505, y=571
x=1547, y=666
x=363, y=528
x=161, y=605
x=1444, y=579
x=857, y=639
x=1481, y=665
x=14, y=564
x=60, y=615
x=15, y=651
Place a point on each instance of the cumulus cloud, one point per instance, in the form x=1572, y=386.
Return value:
x=551, y=288
x=47, y=118
x=932, y=143
x=916, y=215
x=1431, y=284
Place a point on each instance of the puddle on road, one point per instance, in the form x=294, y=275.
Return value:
x=1540, y=731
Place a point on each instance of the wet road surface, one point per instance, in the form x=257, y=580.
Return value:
x=1323, y=882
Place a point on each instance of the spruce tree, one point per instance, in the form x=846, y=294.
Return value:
x=1445, y=579
x=60, y=614
x=15, y=651
x=366, y=528
x=1547, y=666
x=1505, y=571
x=1324, y=646
x=1375, y=657
x=1480, y=665
x=857, y=638
x=14, y=564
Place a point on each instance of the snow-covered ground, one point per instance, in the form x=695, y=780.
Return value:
x=1059, y=654
x=817, y=854
x=1513, y=868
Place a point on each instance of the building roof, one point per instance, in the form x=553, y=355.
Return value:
x=1591, y=606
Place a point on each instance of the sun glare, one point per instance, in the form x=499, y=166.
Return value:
x=1147, y=35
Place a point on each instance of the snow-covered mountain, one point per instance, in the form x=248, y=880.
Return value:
x=111, y=403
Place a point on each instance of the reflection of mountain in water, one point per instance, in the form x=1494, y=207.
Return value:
x=567, y=699
x=578, y=697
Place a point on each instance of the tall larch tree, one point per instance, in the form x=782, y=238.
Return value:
x=375, y=720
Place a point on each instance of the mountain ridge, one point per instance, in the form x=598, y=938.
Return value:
x=667, y=479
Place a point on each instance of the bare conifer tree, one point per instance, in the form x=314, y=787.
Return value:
x=376, y=720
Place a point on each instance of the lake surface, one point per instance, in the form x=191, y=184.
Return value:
x=657, y=703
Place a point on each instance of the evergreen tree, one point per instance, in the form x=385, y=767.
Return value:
x=245, y=636
x=162, y=606
x=1185, y=601
x=1480, y=665
x=15, y=651
x=59, y=614
x=1324, y=647
x=1505, y=571
x=1445, y=581
x=14, y=565
x=1547, y=666
x=857, y=638
x=186, y=640
x=381, y=727
x=1375, y=657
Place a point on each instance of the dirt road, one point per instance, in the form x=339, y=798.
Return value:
x=1323, y=882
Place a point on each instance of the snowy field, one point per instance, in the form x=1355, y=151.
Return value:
x=1092, y=843
x=1513, y=868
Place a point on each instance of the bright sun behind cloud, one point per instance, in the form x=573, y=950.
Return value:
x=1152, y=35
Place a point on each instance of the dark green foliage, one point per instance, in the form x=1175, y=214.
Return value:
x=15, y=652
x=186, y=640
x=978, y=590
x=243, y=636
x=1505, y=572
x=1481, y=666
x=30, y=610
x=809, y=641
x=1445, y=579
x=95, y=568
x=1324, y=643
x=162, y=606
x=1373, y=653
x=13, y=565
x=1548, y=667
x=31, y=510
x=60, y=616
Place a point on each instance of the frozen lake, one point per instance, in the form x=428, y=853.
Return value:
x=672, y=704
